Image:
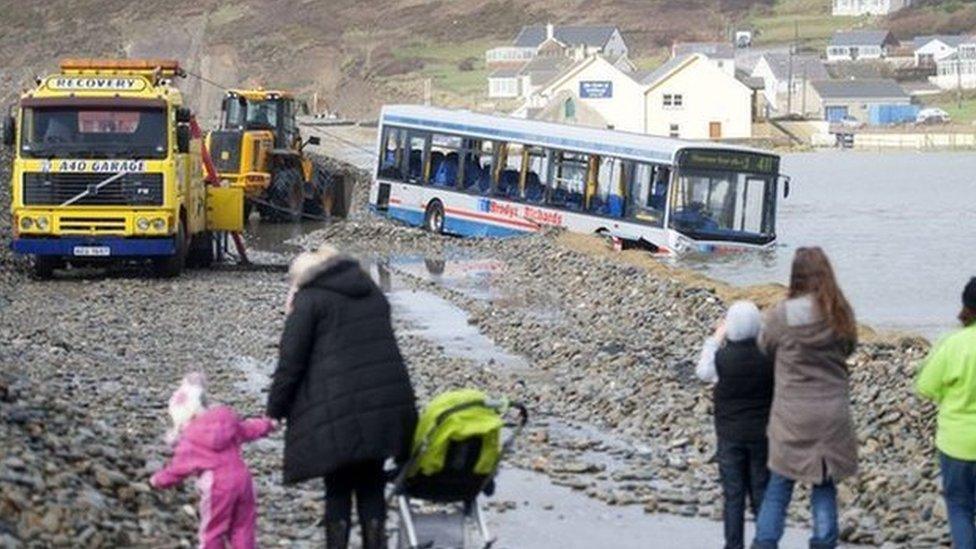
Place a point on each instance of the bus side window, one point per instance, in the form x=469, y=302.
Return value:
x=444, y=160
x=641, y=198
x=536, y=175
x=510, y=172
x=601, y=202
x=417, y=158
x=392, y=152
x=569, y=180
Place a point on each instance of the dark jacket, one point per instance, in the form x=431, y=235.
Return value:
x=340, y=381
x=744, y=391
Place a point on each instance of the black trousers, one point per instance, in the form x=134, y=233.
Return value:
x=742, y=467
x=366, y=481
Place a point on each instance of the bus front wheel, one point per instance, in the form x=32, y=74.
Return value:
x=434, y=217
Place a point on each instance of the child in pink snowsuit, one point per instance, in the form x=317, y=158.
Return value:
x=208, y=442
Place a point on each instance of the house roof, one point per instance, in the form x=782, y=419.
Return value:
x=859, y=89
x=812, y=67
x=506, y=72
x=861, y=38
x=951, y=40
x=754, y=82
x=542, y=69
x=591, y=35
x=713, y=50
x=648, y=78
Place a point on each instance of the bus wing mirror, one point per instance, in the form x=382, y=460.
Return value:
x=183, y=139
x=183, y=115
x=786, y=187
x=8, y=126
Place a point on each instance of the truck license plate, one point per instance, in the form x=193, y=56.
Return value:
x=92, y=251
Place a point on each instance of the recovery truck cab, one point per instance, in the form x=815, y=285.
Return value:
x=107, y=168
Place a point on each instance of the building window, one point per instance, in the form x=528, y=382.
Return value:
x=674, y=131
x=673, y=100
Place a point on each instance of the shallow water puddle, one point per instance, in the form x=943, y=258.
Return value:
x=472, y=276
x=441, y=322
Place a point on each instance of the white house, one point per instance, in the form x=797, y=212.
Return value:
x=720, y=54
x=929, y=50
x=868, y=7
x=592, y=92
x=860, y=45
x=689, y=97
x=957, y=71
x=573, y=43
x=784, y=78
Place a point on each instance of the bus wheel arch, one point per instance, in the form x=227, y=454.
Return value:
x=434, y=217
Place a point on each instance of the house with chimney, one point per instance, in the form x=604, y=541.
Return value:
x=539, y=52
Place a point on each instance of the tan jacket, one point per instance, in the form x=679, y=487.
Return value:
x=811, y=433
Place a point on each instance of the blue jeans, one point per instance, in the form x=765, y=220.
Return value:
x=742, y=466
x=959, y=489
x=776, y=501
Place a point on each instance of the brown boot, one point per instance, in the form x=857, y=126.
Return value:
x=374, y=534
x=337, y=534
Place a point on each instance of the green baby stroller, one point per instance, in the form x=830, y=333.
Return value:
x=457, y=449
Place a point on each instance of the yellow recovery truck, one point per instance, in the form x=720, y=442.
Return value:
x=258, y=147
x=109, y=165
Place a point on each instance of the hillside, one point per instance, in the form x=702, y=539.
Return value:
x=356, y=55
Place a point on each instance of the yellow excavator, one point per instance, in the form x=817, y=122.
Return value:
x=259, y=148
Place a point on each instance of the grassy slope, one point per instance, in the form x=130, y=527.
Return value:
x=361, y=54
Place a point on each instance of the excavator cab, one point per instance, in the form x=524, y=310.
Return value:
x=275, y=112
x=259, y=147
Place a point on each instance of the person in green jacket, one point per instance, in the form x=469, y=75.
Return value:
x=948, y=378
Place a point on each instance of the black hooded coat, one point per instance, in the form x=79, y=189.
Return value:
x=341, y=381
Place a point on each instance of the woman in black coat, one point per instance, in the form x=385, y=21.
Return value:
x=344, y=390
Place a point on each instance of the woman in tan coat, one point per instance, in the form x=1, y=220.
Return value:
x=811, y=433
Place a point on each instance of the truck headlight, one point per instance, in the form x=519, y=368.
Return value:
x=159, y=224
x=142, y=224
x=26, y=223
x=42, y=223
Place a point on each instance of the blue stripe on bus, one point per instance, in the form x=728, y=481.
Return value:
x=453, y=224
x=584, y=145
x=464, y=227
x=119, y=247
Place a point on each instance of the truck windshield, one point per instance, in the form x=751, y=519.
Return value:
x=724, y=205
x=93, y=133
x=252, y=114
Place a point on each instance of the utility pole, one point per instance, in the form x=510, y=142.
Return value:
x=803, y=104
x=958, y=81
x=428, y=91
x=789, y=77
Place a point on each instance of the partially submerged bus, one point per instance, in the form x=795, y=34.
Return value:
x=473, y=174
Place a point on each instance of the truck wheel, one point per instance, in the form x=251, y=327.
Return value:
x=201, y=252
x=317, y=203
x=340, y=202
x=171, y=266
x=285, y=196
x=434, y=217
x=44, y=266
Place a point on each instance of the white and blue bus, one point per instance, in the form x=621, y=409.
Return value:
x=473, y=174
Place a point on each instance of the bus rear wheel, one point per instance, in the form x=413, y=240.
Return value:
x=434, y=217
